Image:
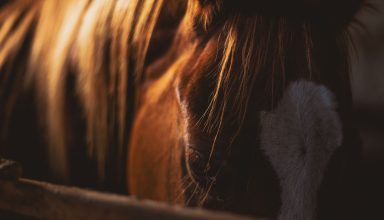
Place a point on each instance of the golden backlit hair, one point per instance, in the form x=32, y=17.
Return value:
x=93, y=40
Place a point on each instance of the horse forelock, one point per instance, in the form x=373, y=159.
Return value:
x=252, y=44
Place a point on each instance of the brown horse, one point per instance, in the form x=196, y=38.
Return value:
x=241, y=106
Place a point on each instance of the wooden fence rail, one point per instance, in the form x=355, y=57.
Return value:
x=48, y=201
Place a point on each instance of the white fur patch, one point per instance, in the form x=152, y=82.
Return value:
x=299, y=137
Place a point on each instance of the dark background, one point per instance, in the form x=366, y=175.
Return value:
x=368, y=90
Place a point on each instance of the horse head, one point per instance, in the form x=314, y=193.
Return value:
x=262, y=118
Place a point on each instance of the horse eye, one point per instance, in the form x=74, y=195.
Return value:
x=197, y=164
x=196, y=160
x=199, y=169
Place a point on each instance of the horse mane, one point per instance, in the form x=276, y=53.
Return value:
x=92, y=41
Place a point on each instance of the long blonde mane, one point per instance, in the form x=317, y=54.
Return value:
x=94, y=40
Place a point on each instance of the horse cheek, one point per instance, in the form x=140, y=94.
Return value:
x=154, y=158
